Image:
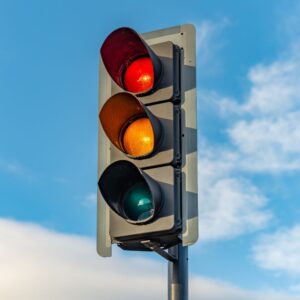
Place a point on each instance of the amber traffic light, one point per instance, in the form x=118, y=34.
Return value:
x=138, y=137
x=130, y=125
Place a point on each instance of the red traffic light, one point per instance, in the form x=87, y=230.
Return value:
x=139, y=75
x=130, y=61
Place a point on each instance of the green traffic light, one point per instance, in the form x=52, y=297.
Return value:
x=137, y=202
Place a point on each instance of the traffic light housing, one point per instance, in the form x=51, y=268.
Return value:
x=147, y=154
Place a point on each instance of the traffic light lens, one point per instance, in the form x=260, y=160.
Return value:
x=137, y=202
x=138, y=139
x=139, y=75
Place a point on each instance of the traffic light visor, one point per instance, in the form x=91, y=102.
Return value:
x=130, y=61
x=130, y=126
x=130, y=192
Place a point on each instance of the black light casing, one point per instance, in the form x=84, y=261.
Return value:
x=120, y=177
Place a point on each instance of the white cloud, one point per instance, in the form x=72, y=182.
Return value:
x=268, y=144
x=275, y=88
x=90, y=199
x=289, y=28
x=11, y=167
x=40, y=264
x=208, y=289
x=209, y=42
x=265, y=126
x=229, y=205
x=61, y=180
x=15, y=168
x=262, y=132
x=37, y=263
x=295, y=288
x=279, y=251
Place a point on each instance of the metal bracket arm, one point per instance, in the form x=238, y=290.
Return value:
x=155, y=247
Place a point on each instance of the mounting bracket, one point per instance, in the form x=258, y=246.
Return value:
x=156, y=248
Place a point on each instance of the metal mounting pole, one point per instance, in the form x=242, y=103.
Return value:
x=178, y=274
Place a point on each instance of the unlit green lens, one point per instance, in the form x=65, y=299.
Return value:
x=137, y=202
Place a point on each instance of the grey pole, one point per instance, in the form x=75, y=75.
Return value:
x=178, y=274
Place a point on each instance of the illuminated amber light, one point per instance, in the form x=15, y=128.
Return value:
x=139, y=75
x=138, y=139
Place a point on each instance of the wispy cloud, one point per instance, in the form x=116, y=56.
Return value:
x=15, y=168
x=44, y=264
x=11, y=167
x=50, y=265
x=90, y=199
x=262, y=133
x=209, y=42
x=229, y=205
x=274, y=89
x=289, y=25
x=61, y=180
x=279, y=251
x=268, y=144
x=264, y=126
x=209, y=289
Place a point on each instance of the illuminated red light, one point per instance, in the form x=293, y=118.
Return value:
x=139, y=75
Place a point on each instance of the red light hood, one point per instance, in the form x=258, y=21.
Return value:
x=122, y=47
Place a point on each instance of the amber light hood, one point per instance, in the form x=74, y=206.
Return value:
x=130, y=125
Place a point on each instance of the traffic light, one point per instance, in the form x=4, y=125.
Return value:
x=147, y=147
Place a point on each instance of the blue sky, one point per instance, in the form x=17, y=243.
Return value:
x=248, y=80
